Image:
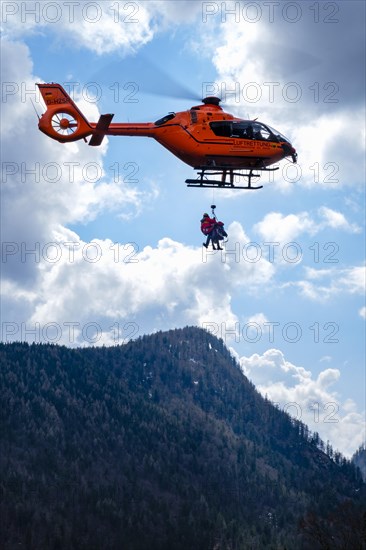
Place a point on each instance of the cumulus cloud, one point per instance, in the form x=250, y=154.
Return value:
x=323, y=284
x=337, y=220
x=284, y=229
x=296, y=59
x=354, y=279
x=101, y=27
x=102, y=282
x=313, y=400
x=322, y=163
x=275, y=227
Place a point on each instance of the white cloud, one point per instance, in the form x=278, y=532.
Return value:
x=275, y=227
x=354, y=279
x=105, y=283
x=318, y=274
x=349, y=280
x=337, y=220
x=325, y=359
x=272, y=367
x=282, y=229
x=258, y=319
x=362, y=312
x=322, y=163
x=101, y=27
x=311, y=400
x=256, y=272
x=235, y=64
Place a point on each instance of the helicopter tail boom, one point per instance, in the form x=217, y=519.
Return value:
x=64, y=122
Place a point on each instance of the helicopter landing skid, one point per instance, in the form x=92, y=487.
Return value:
x=203, y=181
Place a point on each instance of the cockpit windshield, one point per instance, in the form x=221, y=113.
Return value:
x=276, y=133
x=246, y=129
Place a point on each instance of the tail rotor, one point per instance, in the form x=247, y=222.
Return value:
x=64, y=124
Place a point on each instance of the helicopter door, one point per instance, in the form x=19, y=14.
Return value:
x=242, y=130
x=223, y=128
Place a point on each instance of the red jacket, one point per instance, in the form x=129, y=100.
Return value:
x=207, y=225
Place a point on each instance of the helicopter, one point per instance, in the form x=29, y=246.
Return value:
x=205, y=137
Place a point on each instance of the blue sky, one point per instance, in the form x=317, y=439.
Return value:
x=103, y=244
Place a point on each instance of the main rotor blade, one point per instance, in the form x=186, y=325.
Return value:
x=148, y=76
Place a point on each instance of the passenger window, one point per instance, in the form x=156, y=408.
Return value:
x=242, y=130
x=222, y=128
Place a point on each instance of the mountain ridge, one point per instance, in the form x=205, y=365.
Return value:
x=160, y=443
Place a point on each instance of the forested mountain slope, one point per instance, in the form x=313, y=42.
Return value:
x=161, y=444
x=359, y=459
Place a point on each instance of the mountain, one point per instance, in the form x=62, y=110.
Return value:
x=359, y=459
x=161, y=444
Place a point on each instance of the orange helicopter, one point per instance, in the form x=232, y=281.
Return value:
x=213, y=142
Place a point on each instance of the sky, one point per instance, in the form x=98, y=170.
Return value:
x=101, y=245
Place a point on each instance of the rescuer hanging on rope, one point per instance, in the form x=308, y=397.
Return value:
x=213, y=229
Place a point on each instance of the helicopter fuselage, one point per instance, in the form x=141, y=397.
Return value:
x=203, y=137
